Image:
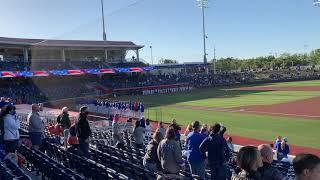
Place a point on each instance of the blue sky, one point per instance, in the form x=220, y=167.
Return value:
x=238, y=28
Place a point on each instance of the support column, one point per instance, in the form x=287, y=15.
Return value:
x=137, y=52
x=25, y=55
x=106, y=55
x=63, y=56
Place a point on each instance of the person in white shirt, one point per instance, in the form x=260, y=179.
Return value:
x=11, y=129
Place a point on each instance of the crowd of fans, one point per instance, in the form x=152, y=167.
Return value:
x=202, y=147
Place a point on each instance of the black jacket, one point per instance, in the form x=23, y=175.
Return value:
x=217, y=148
x=151, y=154
x=270, y=173
x=64, y=121
x=82, y=127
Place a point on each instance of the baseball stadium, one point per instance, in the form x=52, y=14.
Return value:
x=158, y=103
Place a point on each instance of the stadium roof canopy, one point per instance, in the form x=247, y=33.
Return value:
x=68, y=43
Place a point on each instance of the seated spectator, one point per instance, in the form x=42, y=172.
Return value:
x=249, y=160
x=268, y=172
x=11, y=129
x=194, y=157
x=151, y=160
x=138, y=135
x=283, y=150
x=161, y=128
x=169, y=153
x=177, y=129
x=230, y=144
x=306, y=167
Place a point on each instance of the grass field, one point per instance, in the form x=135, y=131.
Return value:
x=301, y=132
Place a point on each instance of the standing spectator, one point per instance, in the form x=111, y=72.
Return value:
x=306, y=167
x=138, y=135
x=116, y=131
x=249, y=160
x=218, y=153
x=169, y=153
x=277, y=142
x=194, y=157
x=35, y=126
x=283, y=149
x=177, y=129
x=188, y=130
x=64, y=122
x=230, y=144
x=83, y=130
x=148, y=130
x=161, y=128
x=151, y=160
x=268, y=172
x=11, y=129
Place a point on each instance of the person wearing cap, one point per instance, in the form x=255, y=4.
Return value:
x=283, y=149
x=83, y=130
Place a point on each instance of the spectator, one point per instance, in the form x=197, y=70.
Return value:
x=161, y=129
x=177, y=129
x=11, y=129
x=188, y=130
x=138, y=135
x=83, y=130
x=35, y=126
x=218, y=153
x=148, y=129
x=193, y=141
x=169, y=153
x=306, y=167
x=151, y=160
x=63, y=119
x=268, y=172
x=277, y=142
x=142, y=122
x=230, y=144
x=283, y=149
x=116, y=131
x=249, y=160
x=222, y=131
x=204, y=130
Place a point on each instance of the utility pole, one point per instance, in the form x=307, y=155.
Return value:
x=214, y=60
x=104, y=34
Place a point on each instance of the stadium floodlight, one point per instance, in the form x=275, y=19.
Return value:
x=316, y=3
x=104, y=34
x=203, y=4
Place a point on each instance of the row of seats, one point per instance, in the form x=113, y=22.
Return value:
x=9, y=170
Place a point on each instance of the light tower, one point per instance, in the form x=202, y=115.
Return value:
x=203, y=4
x=104, y=34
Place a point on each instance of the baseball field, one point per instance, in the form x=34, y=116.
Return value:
x=252, y=114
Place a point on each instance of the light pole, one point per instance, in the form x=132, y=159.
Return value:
x=203, y=4
x=151, y=56
x=104, y=34
x=214, y=60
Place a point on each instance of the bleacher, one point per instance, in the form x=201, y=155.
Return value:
x=54, y=161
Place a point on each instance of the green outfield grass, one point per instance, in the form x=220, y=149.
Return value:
x=301, y=132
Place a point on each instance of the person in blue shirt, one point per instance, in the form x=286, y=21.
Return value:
x=194, y=157
x=283, y=150
x=277, y=142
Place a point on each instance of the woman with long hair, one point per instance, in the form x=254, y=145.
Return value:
x=11, y=129
x=151, y=160
x=249, y=160
x=138, y=134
